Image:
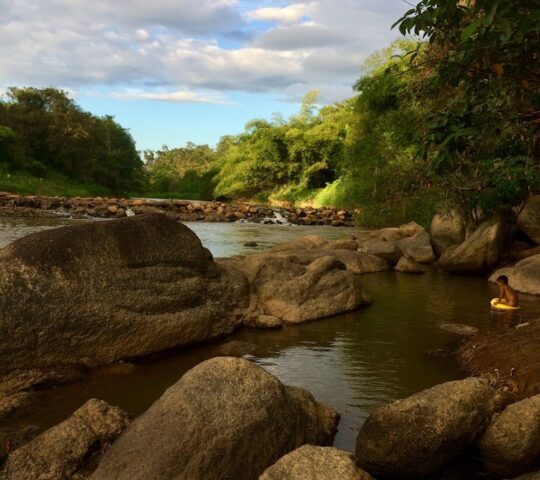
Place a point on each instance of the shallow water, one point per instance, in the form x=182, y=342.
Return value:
x=353, y=362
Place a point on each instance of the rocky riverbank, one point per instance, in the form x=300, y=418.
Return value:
x=85, y=296
x=183, y=210
x=228, y=418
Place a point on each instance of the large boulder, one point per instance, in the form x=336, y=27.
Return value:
x=63, y=450
x=379, y=247
x=360, y=262
x=417, y=247
x=110, y=290
x=310, y=462
x=528, y=220
x=322, y=289
x=479, y=252
x=225, y=418
x=447, y=228
x=511, y=444
x=307, y=285
x=524, y=276
x=417, y=437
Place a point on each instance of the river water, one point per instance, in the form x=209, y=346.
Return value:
x=353, y=362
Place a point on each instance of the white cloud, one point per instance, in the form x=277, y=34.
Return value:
x=289, y=14
x=178, y=96
x=142, y=49
x=303, y=36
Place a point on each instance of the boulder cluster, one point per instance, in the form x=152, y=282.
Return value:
x=84, y=296
x=228, y=418
x=183, y=210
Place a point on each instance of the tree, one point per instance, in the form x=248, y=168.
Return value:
x=43, y=131
x=481, y=68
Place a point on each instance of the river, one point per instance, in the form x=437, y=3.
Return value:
x=353, y=362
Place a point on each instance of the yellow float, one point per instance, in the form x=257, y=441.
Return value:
x=502, y=306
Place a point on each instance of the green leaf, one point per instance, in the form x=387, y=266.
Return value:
x=506, y=29
x=491, y=16
x=471, y=29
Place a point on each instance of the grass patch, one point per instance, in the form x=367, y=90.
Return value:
x=50, y=185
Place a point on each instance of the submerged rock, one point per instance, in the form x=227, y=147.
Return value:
x=524, y=276
x=406, y=265
x=447, y=229
x=61, y=451
x=343, y=244
x=511, y=444
x=264, y=322
x=315, y=463
x=479, y=252
x=111, y=290
x=225, y=418
x=418, y=436
x=528, y=220
x=302, y=243
x=459, y=329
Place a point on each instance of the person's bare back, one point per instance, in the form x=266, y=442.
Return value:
x=507, y=294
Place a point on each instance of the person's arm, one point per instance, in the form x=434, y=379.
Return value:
x=501, y=293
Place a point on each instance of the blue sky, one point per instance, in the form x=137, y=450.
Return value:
x=179, y=70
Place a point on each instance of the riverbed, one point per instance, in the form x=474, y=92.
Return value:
x=353, y=362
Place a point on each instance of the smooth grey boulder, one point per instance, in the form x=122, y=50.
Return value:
x=360, y=262
x=524, y=276
x=418, y=436
x=511, y=444
x=63, y=450
x=479, y=253
x=110, y=290
x=447, y=228
x=418, y=247
x=227, y=418
x=384, y=249
x=310, y=462
x=528, y=220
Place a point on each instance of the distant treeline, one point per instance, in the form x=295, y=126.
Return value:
x=44, y=132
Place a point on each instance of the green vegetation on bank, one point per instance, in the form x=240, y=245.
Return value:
x=452, y=120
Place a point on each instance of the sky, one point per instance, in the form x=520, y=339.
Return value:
x=173, y=71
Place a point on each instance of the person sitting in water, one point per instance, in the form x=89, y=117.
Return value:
x=507, y=294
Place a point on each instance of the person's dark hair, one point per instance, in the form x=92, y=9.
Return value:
x=503, y=279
